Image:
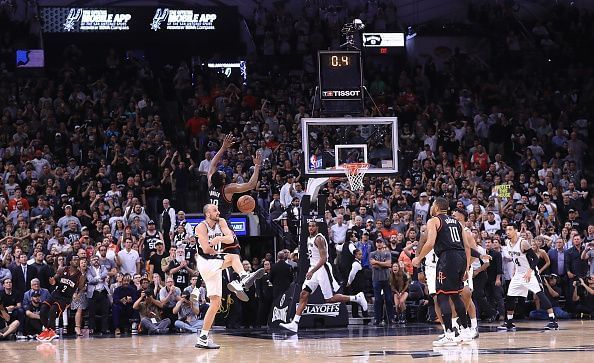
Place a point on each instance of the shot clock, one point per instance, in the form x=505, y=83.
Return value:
x=340, y=75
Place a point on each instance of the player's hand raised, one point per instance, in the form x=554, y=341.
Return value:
x=228, y=141
x=258, y=159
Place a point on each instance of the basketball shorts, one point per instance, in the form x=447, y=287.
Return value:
x=468, y=282
x=450, y=272
x=519, y=287
x=60, y=303
x=430, y=274
x=210, y=270
x=324, y=279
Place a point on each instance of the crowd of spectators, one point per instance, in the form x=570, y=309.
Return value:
x=92, y=163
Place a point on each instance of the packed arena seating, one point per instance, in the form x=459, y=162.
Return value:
x=92, y=159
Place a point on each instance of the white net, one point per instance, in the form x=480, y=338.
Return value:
x=355, y=173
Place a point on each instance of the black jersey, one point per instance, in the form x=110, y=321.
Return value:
x=149, y=244
x=181, y=278
x=66, y=284
x=190, y=252
x=449, y=235
x=217, y=197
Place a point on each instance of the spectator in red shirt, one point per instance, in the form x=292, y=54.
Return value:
x=18, y=197
x=194, y=125
x=481, y=157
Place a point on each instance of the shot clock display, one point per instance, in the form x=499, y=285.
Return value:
x=340, y=75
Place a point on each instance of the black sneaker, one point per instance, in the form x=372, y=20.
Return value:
x=508, y=326
x=552, y=325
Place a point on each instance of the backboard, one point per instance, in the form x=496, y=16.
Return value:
x=328, y=143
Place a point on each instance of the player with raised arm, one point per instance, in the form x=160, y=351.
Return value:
x=445, y=235
x=67, y=280
x=319, y=275
x=213, y=233
x=221, y=194
x=526, y=278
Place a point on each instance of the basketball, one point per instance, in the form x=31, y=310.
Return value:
x=246, y=204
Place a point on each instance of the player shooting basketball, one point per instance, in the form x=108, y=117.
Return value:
x=233, y=260
x=221, y=195
x=213, y=233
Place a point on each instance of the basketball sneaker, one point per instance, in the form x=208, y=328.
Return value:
x=237, y=288
x=360, y=299
x=43, y=335
x=204, y=342
x=466, y=335
x=507, y=325
x=292, y=326
x=51, y=335
x=248, y=280
x=449, y=339
x=552, y=325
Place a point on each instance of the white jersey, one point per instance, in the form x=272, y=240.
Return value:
x=431, y=259
x=313, y=252
x=518, y=257
x=212, y=233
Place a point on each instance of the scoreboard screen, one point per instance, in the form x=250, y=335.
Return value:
x=340, y=75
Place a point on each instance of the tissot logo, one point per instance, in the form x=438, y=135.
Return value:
x=341, y=94
x=332, y=309
x=96, y=19
x=183, y=20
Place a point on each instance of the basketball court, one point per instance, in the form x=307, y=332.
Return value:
x=573, y=343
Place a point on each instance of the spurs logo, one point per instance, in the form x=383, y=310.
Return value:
x=160, y=16
x=74, y=16
x=441, y=277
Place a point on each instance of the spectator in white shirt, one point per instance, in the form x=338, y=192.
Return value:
x=287, y=191
x=128, y=259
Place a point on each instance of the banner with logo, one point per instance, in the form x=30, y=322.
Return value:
x=317, y=312
x=137, y=19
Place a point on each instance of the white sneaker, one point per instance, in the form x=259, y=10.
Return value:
x=449, y=339
x=360, y=299
x=206, y=344
x=237, y=288
x=248, y=280
x=467, y=335
x=292, y=326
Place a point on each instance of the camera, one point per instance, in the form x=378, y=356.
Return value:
x=149, y=292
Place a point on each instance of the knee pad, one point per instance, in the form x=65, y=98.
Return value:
x=545, y=303
x=510, y=303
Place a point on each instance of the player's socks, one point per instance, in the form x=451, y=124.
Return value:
x=455, y=325
x=352, y=298
x=473, y=323
x=297, y=318
x=204, y=334
x=552, y=316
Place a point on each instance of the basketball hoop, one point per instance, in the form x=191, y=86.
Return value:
x=355, y=173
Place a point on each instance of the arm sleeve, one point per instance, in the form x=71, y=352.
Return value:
x=532, y=258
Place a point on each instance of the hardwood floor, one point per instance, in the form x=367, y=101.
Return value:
x=573, y=343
